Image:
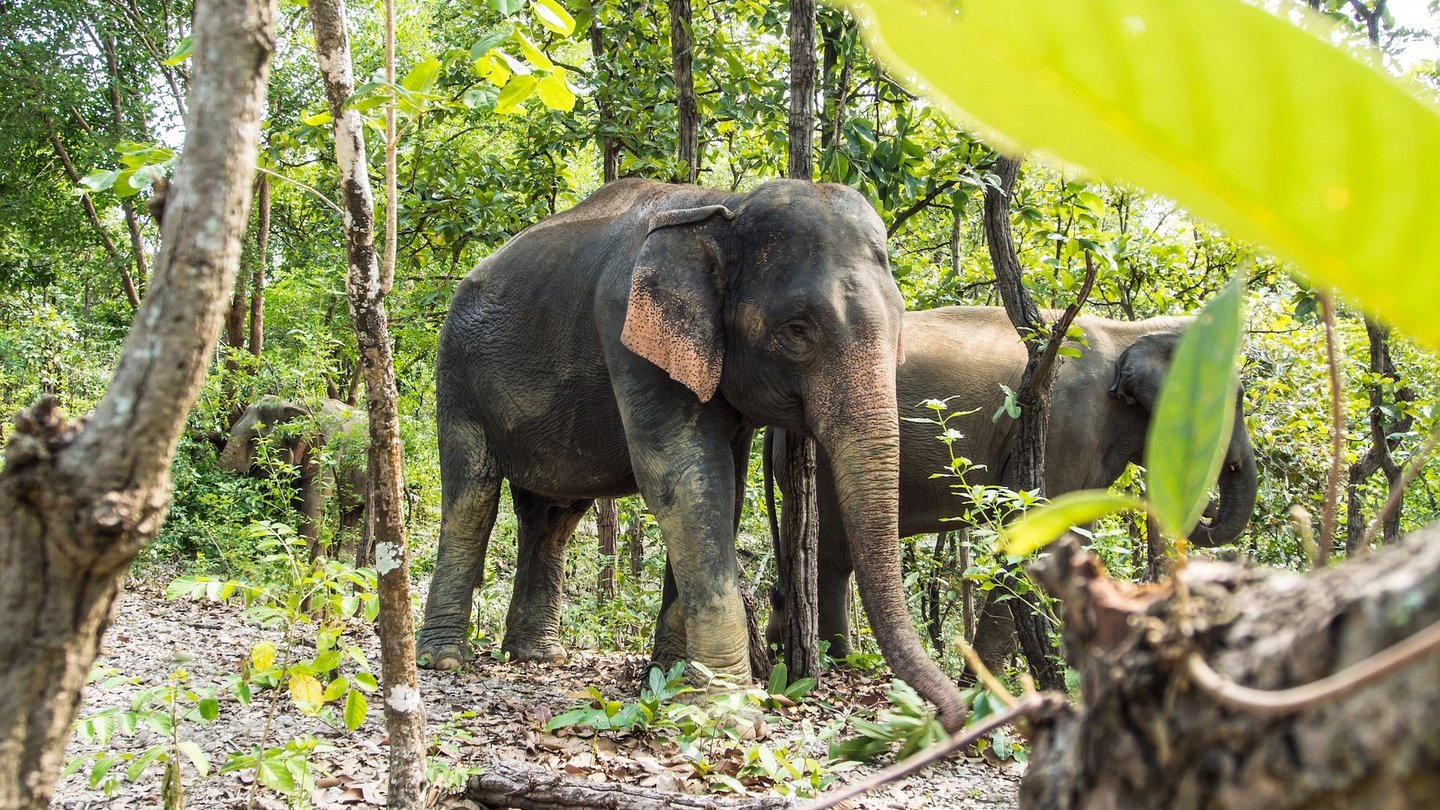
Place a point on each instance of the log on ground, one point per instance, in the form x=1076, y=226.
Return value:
x=1144, y=736
x=508, y=783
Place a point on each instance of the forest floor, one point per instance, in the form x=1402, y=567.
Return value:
x=488, y=711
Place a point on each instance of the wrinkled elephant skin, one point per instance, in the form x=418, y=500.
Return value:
x=1100, y=413
x=634, y=342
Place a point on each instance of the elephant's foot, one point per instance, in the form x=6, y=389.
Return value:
x=544, y=651
x=441, y=654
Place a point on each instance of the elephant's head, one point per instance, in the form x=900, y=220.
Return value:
x=1139, y=374
x=259, y=421
x=785, y=308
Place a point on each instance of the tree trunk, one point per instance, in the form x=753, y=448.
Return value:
x=801, y=162
x=604, y=113
x=1144, y=735
x=1033, y=397
x=799, y=521
x=127, y=282
x=257, y=283
x=687, y=109
x=78, y=500
x=607, y=531
x=637, y=542
x=1378, y=457
x=799, y=541
x=404, y=710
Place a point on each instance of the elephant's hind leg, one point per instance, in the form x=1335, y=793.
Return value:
x=469, y=497
x=532, y=626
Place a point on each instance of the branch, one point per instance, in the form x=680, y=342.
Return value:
x=1272, y=702
x=1034, y=705
x=919, y=206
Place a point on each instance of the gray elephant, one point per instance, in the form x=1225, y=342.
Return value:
x=634, y=342
x=1100, y=413
x=335, y=427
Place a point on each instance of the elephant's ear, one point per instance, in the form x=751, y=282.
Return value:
x=1140, y=371
x=673, y=318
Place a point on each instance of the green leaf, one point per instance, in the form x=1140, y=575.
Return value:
x=100, y=180
x=196, y=756
x=273, y=774
x=555, y=93
x=355, y=708
x=532, y=52
x=335, y=689
x=507, y=7
x=1042, y=524
x=182, y=51
x=209, y=709
x=317, y=120
x=553, y=16
x=483, y=45
x=514, y=94
x=1195, y=413
x=1139, y=91
x=143, y=761
x=422, y=77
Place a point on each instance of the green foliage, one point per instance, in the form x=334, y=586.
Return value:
x=160, y=710
x=1194, y=416
x=909, y=721
x=1260, y=152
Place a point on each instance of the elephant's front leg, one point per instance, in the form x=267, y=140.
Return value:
x=532, y=626
x=684, y=466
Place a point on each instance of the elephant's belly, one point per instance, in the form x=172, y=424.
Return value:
x=556, y=454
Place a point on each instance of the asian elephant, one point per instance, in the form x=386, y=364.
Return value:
x=1100, y=413
x=634, y=342
x=334, y=426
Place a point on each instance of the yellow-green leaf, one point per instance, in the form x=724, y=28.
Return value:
x=555, y=93
x=1044, y=523
x=262, y=656
x=1195, y=413
x=553, y=16
x=422, y=77
x=514, y=94
x=306, y=690
x=355, y=708
x=1248, y=120
x=336, y=688
x=532, y=52
x=316, y=120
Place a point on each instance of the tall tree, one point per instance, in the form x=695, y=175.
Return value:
x=687, y=109
x=799, y=541
x=1042, y=342
x=604, y=105
x=366, y=287
x=78, y=500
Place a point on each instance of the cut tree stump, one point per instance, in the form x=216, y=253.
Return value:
x=508, y=783
x=1143, y=736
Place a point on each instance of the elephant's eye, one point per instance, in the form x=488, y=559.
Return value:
x=796, y=337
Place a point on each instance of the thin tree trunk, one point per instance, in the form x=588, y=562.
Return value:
x=127, y=282
x=801, y=161
x=607, y=531
x=604, y=113
x=257, y=283
x=687, y=109
x=117, y=119
x=637, y=542
x=404, y=710
x=78, y=502
x=799, y=541
x=1042, y=341
x=1379, y=456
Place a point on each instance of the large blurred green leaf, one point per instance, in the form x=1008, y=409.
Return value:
x=1048, y=521
x=1250, y=121
x=1195, y=414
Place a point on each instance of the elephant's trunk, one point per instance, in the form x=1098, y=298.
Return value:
x=865, y=455
x=234, y=458
x=1238, y=486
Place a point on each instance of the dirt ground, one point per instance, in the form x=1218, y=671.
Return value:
x=485, y=712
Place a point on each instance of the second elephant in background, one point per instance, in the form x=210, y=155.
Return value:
x=1100, y=414
x=326, y=446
